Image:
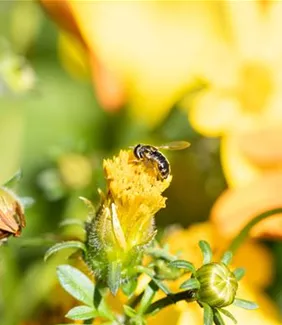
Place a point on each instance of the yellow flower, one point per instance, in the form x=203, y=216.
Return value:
x=251, y=287
x=245, y=89
x=243, y=106
x=124, y=223
x=148, y=48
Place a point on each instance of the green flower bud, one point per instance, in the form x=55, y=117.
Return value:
x=218, y=285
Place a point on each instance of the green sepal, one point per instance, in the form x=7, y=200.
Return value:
x=63, y=245
x=82, y=313
x=76, y=283
x=129, y=287
x=129, y=311
x=218, y=320
x=14, y=180
x=182, y=264
x=227, y=314
x=206, y=251
x=114, y=276
x=227, y=258
x=246, y=304
x=190, y=284
x=208, y=314
x=239, y=273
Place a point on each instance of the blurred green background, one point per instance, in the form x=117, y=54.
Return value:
x=50, y=122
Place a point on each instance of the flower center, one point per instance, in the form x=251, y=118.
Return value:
x=255, y=87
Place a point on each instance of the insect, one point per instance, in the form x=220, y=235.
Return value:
x=12, y=220
x=152, y=154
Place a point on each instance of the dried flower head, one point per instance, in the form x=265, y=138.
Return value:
x=12, y=218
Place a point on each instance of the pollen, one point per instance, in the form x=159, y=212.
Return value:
x=136, y=192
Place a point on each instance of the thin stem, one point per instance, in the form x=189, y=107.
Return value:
x=243, y=234
x=188, y=295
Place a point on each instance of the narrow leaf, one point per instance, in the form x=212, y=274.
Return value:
x=76, y=284
x=228, y=314
x=239, y=273
x=208, y=314
x=246, y=304
x=114, y=276
x=162, y=286
x=67, y=244
x=227, y=258
x=81, y=313
x=206, y=251
x=130, y=312
x=190, y=284
x=181, y=264
x=218, y=320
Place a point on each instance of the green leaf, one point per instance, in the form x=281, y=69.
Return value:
x=208, y=314
x=67, y=244
x=129, y=287
x=227, y=258
x=147, y=297
x=206, y=251
x=190, y=284
x=76, y=284
x=130, y=312
x=82, y=313
x=239, y=273
x=227, y=314
x=218, y=320
x=14, y=180
x=161, y=286
x=114, y=277
x=181, y=264
x=246, y=304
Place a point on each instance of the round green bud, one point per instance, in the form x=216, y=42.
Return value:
x=218, y=285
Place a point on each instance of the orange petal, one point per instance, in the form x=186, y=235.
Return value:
x=263, y=147
x=235, y=207
x=61, y=12
x=109, y=88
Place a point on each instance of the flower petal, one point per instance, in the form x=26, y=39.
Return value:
x=263, y=147
x=235, y=207
x=212, y=113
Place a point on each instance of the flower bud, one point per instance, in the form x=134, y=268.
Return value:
x=124, y=223
x=218, y=285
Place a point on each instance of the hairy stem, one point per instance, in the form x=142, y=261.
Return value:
x=243, y=234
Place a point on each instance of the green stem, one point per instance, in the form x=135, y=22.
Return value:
x=243, y=234
x=187, y=295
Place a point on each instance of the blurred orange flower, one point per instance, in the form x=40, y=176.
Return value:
x=148, y=48
x=243, y=105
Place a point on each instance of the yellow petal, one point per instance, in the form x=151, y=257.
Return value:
x=213, y=113
x=263, y=147
x=238, y=170
x=152, y=46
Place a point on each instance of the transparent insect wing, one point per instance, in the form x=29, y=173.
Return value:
x=175, y=145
